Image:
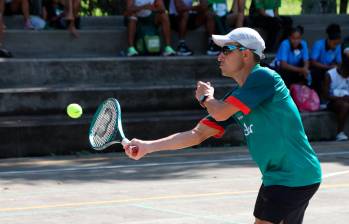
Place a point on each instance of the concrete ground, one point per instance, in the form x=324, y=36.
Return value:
x=197, y=186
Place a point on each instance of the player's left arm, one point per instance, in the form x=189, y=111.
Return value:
x=258, y=87
x=218, y=109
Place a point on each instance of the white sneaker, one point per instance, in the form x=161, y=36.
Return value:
x=341, y=136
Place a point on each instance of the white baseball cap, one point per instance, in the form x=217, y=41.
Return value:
x=245, y=36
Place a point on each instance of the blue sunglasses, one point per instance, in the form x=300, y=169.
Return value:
x=230, y=48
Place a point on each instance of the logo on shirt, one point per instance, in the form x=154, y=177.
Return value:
x=248, y=129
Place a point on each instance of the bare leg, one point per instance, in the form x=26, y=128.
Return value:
x=131, y=30
x=207, y=18
x=2, y=25
x=69, y=9
x=163, y=20
x=210, y=23
x=240, y=13
x=25, y=9
x=341, y=108
x=76, y=8
x=68, y=5
x=182, y=29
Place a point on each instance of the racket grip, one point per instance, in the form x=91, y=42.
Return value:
x=125, y=141
x=134, y=149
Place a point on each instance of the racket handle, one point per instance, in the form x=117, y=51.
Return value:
x=134, y=149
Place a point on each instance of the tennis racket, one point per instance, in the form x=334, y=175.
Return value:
x=106, y=128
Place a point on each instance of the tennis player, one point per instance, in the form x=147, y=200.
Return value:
x=262, y=106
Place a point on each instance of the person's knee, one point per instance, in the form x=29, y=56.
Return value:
x=183, y=16
x=163, y=17
x=132, y=21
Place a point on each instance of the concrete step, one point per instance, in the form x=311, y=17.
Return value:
x=102, y=38
x=134, y=98
x=320, y=19
x=91, y=43
x=87, y=22
x=20, y=73
x=52, y=135
x=105, y=43
x=110, y=22
x=59, y=43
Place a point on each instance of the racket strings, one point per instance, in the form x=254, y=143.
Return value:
x=104, y=126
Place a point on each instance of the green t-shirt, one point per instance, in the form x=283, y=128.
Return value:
x=267, y=4
x=273, y=130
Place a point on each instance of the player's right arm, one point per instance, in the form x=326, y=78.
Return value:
x=173, y=142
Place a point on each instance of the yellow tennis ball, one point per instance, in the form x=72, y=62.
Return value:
x=74, y=110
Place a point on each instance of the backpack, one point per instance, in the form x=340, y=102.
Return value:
x=305, y=98
x=148, y=39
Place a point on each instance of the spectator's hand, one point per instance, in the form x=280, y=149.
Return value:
x=304, y=71
x=204, y=89
x=136, y=149
x=150, y=7
x=346, y=98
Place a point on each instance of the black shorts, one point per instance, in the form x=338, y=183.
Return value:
x=280, y=203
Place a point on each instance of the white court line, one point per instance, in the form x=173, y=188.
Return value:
x=336, y=174
x=332, y=153
x=189, y=163
x=187, y=214
x=125, y=166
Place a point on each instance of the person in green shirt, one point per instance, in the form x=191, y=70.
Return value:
x=264, y=14
x=262, y=106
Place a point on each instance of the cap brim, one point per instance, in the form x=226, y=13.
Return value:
x=221, y=40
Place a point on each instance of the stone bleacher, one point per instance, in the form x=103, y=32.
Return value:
x=51, y=70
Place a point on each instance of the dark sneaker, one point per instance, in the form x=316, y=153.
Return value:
x=212, y=49
x=5, y=53
x=183, y=50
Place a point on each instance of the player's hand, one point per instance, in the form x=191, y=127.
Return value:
x=204, y=89
x=136, y=149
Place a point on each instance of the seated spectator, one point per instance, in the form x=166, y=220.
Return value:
x=325, y=54
x=62, y=14
x=225, y=20
x=184, y=15
x=336, y=91
x=12, y=7
x=264, y=14
x=143, y=12
x=292, y=59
